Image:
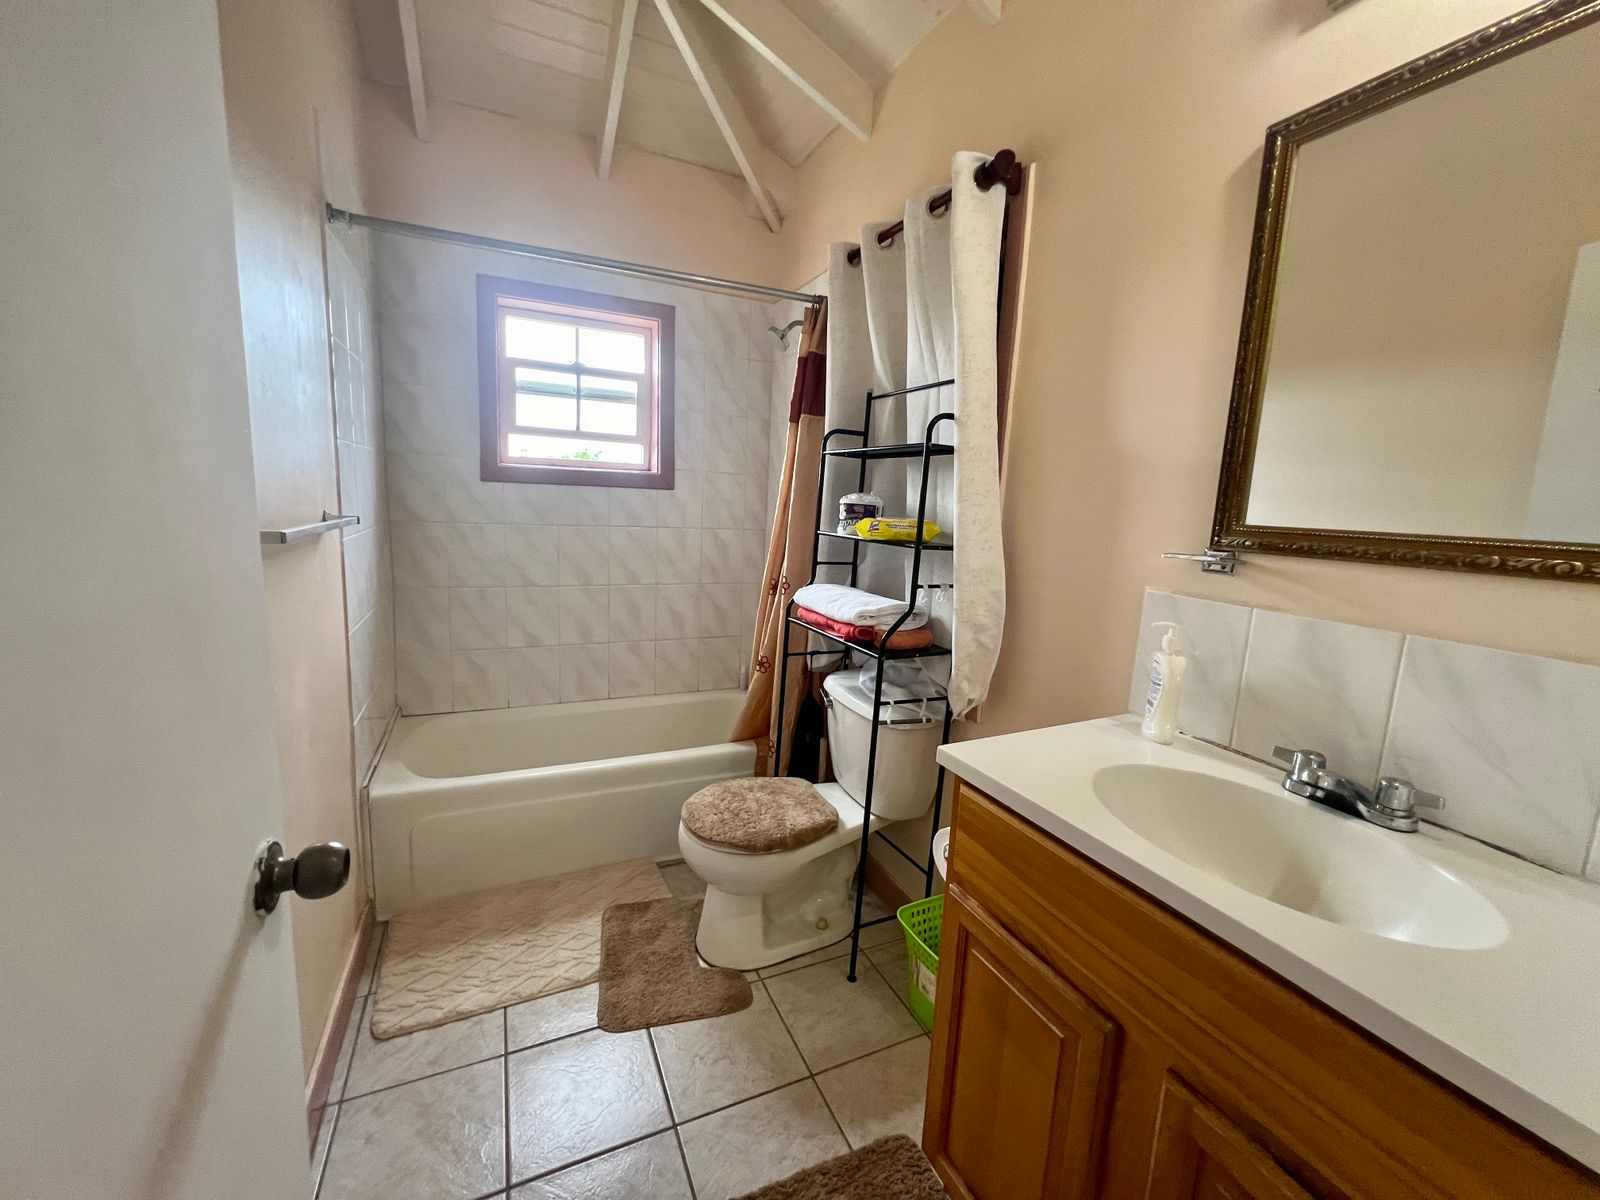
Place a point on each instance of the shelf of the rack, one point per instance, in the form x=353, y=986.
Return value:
x=871, y=651
x=939, y=543
x=908, y=450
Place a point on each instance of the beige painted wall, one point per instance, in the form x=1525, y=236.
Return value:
x=493, y=175
x=1145, y=119
x=290, y=76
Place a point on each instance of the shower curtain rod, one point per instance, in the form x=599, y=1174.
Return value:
x=614, y=265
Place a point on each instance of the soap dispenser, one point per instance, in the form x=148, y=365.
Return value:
x=1167, y=666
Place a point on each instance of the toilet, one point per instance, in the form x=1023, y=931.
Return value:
x=765, y=906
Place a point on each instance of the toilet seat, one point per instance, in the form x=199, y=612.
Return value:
x=746, y=872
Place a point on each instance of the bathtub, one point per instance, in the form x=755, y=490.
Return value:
x=463, y=801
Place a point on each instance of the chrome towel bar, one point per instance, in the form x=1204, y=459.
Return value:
x=277, y=537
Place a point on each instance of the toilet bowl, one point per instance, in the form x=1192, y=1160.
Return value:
x=763, y=908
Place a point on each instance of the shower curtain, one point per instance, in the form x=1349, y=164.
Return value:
x=925, y=308
x=788, y=556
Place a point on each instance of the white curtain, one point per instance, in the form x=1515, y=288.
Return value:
x=924, y=309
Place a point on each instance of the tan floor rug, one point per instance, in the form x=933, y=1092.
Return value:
x=891, y=1168
x=472, y=954
x=650, y=973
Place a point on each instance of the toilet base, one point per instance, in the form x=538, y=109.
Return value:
x=814, y=910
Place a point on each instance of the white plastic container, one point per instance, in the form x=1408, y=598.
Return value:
x=1167, y=667
x=902, y=787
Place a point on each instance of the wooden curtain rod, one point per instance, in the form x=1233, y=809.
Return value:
x=1003, y=168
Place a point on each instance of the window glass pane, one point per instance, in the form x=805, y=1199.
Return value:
x=610, y=405
x=611, y=350
x=547, y=398
x=575, y=449
x=543, y=340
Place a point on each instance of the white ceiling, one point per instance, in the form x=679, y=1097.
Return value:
x=545, y=61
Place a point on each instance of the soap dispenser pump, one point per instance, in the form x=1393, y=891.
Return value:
x=1167, y=666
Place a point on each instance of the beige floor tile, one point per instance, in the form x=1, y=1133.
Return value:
x=581, y=1095
x=880, y=1094
x=826, y=954
x=752, y=1144
x=380, y=1064
x=834, y=1020
x=553, y=1016
x=721, y=1060
x=647, y=1170
x=685, y=884
x=441, y=1138
x=347, y=1048
x=891, y=962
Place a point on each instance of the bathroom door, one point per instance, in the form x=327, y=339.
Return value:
x=149, y=1044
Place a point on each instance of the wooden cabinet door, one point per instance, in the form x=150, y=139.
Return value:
x=1199, y=1154
x=1019, y=1082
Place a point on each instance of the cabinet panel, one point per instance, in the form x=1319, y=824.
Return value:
x=1021, y=1070
x=1198, y=1154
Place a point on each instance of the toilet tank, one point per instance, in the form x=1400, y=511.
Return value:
x=902, y=787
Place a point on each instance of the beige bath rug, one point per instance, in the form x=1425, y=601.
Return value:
x=890, y=1168
x=650, y=973
x=471, y=954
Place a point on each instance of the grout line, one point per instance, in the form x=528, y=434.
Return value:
x=589, y=1158
x=505, y=1089
x=833, y=1116
x=477, y=1062
x=672, y=1109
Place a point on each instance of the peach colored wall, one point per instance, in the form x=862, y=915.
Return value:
x=289, y=72
x=497, y=176
x=1145, y=119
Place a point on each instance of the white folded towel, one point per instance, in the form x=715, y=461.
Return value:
x=856, y=607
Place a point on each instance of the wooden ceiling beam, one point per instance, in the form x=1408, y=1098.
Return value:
x=759, y=166
x=805, y=59
x=623, y=15
x=412, y=45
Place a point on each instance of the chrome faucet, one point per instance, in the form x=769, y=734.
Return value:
x=1394, y=805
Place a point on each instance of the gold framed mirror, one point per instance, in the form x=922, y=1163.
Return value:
x=1418, y=379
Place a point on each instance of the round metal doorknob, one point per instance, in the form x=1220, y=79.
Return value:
x=317, y=871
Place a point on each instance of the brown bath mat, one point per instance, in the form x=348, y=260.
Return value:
x=890, y=1168
x=472, y=954
x=650, y=973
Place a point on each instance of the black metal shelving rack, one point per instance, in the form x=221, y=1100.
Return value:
x=926, y=451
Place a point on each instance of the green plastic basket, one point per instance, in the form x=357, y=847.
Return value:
x=921, y=919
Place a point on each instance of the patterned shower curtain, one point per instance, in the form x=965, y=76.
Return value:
x=788, y=555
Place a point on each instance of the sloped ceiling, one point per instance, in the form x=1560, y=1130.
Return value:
x=545, y=61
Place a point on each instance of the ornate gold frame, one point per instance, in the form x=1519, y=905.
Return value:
x=1550, y=560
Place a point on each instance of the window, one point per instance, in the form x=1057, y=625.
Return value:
x=573, y=387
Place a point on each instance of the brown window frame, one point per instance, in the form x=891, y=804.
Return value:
x=497, y=388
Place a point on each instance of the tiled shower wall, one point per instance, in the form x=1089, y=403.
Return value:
x=1507, y=738
x=358, y=426
x=513, y=594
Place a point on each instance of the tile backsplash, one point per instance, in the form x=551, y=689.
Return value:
x=1508, y=738
x=515, y=594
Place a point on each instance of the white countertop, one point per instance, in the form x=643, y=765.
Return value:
x=1517, y=1025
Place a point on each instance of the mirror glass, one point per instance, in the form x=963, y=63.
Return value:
x=1433, y=356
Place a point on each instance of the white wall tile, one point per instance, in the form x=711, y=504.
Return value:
x=677, y=611
x=585, y=615
x=1508, y=739
x=677, y=666
x=1215, y=646
x=424, y=681
x=533, y=616
x=477, y=555
x=721, y=501
x=422, y=419
x=633, y=555
x=726, y=608
x=533, y=555
x=480, y=679
x=632, y=667
x=477, y=618
x=680, y=507
x=533, y=676
x=633, y=614
x=585, y=556
x=530, y=503
x=633, y=506
x=421, y=554
x=585, y=673
x=678, y=555
x=1318, y=685
x=422, y=618
x=720, y=661
x=584, y=505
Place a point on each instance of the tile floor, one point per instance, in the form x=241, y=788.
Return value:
x=533, y=1102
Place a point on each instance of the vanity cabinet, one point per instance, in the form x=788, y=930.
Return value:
x=1091, y=1043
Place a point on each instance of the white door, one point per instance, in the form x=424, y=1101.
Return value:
x=149, y=1044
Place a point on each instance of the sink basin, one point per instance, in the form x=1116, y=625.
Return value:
x=1299, y=855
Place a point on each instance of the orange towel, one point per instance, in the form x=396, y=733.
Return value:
x=905, y=639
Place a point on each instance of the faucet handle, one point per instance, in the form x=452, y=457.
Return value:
x=1303, y=764
x=1401, y=796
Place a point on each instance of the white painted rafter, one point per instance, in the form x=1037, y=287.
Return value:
x=759, y=166
x=810, y=63
x=988, y=10
x=412, y=45
x=623, y=15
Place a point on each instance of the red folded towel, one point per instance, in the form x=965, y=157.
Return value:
x=905, y=639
